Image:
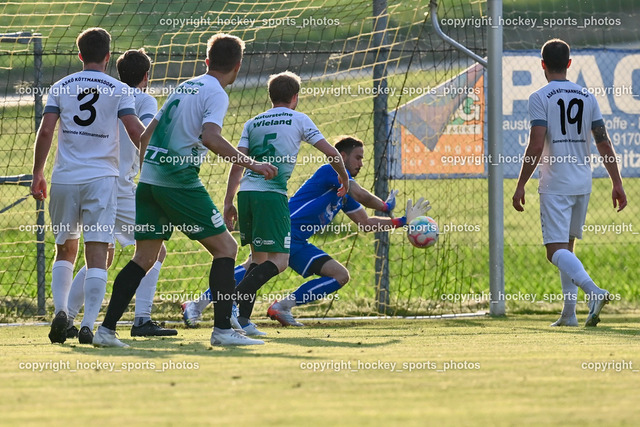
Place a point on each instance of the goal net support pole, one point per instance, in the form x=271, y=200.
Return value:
x=493, y=64
x=26, y=37
x=381, y=136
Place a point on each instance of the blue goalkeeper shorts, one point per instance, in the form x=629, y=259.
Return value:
x=306, y=259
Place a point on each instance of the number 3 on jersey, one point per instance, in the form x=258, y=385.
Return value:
x=567, y=117
x=87, y=106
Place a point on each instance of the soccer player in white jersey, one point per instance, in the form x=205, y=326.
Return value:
x=83, y=183
x=133, y=69
x=263, y=212
x=171, y=195
x=563, y=117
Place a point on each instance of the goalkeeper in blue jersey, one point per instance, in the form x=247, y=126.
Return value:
x=312, y=209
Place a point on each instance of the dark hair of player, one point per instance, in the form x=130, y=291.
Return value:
x=283, y=87
x=346, y=144
x=555, y=54
x=94, y=45
x=224, y=52
x=132, y=66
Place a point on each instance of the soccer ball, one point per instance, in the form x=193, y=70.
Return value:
x=422, y=232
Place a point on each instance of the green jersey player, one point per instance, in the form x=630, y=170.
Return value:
x=170, y=194
x=263, y=211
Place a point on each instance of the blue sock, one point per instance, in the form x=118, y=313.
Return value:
x=205, y=298
x=238, y=274
x=315, y=289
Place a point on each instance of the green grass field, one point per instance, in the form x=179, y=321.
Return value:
x=474, y=371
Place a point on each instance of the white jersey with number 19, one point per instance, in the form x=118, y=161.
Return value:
x=569, y=112
x=89, y=104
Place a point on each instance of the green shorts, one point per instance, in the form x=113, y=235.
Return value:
x=264, y=221
x=161, y=210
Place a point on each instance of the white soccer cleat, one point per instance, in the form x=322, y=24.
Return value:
x=231, y=337
x=235, y=312
x=189, y=314
x=252, y=330
x=596, y=303
x=105, y=339
x=282, y=315
x=566, y=321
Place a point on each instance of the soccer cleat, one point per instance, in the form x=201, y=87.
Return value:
x=566, y=321
x=282, y=315
x=58, y=332
x=151, y=329
x=595, y=307
x=233, y=338
x=105, y=339
x=72, y=332
x=189, y=314
x=85, y=336
x=252, y=330
x=235, y=312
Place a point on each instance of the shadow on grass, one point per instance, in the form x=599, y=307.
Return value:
x=164, y=348
x=613, y=328
x=317, y=342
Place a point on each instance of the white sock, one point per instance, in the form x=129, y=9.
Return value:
x=76, y=294
x=146, y=291
x=568, y=263
x=95, y=286
x=61, y=276
x=569, y=294
x=202, y=302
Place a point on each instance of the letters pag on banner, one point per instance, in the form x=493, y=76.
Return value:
x=610, y=75
x=452, y=140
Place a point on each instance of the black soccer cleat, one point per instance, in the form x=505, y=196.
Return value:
x=85, y=336
x=151, y=329
x=72, y=332
x=58, y=332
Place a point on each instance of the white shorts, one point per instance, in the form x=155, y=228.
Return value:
x=562, y=217
x=88, y=209
x=126, y=218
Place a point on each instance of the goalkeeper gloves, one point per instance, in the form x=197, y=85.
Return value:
x=413, y=211
x=390, y=203
x=420, y=208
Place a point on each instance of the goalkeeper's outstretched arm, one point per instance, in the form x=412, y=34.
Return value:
x=366, y=198
x=378, y=223
x=372, y=201
x=373, y=223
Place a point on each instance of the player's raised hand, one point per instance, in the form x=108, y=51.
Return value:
x=390, y=203
x=265, y=169
x=230, y=215
x=420, y=208
x=518, y=200
x=619, y=197
x=39, y=187
x=344, y=187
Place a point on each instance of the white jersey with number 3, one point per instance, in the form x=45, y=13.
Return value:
x=569, y=112
x=89, y=104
